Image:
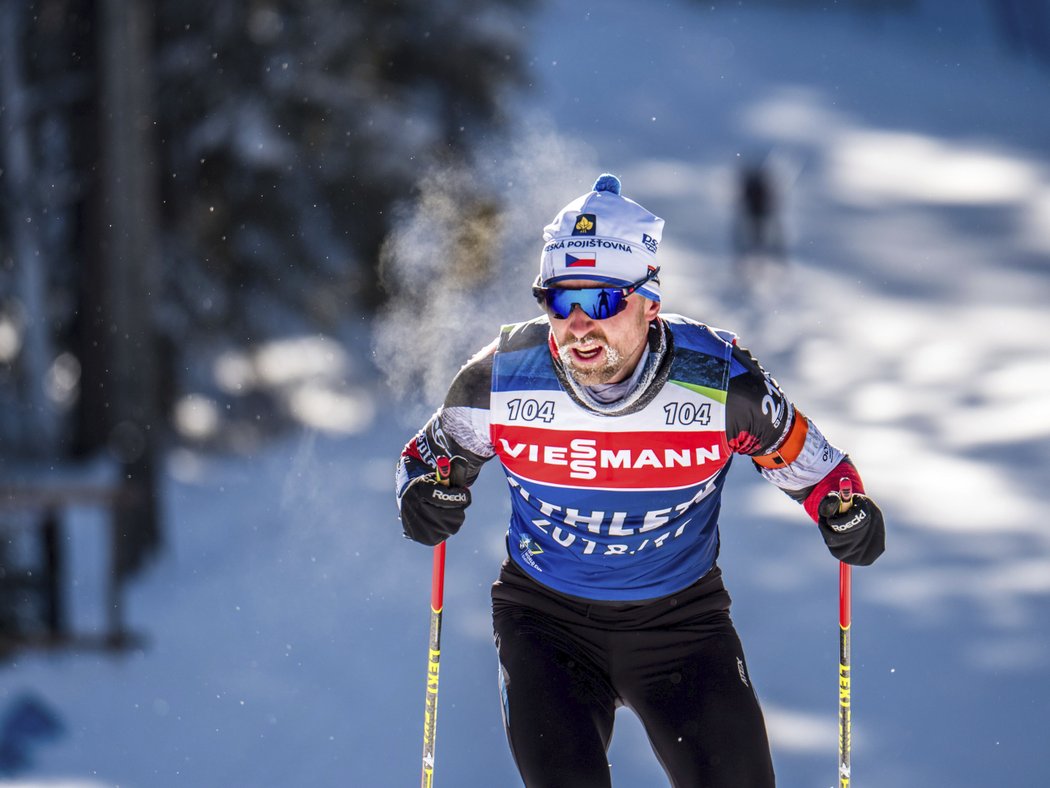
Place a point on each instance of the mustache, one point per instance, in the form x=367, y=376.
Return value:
x=593, y=337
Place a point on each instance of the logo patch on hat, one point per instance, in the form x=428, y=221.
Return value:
x=586, y=224
x=649, y=242
x=582, y=261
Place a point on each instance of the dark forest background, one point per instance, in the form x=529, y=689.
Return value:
x=178, y=176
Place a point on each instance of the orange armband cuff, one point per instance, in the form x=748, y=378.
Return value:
x=789, y=450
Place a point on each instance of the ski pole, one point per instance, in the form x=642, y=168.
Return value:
x=845, y=602
x=437, y=603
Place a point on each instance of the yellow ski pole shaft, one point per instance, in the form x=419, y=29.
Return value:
x=437, y=604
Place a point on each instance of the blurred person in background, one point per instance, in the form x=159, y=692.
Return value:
x=758, y=232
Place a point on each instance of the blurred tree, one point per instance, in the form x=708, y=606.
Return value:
x=123, y=297
x=291, y=126
x=210, y=173
x=34, y=419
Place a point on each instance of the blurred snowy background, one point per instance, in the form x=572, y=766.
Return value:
x=278, y=623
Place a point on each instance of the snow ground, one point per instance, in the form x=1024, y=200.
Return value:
x=287, y=626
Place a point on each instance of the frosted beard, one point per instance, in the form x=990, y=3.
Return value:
x=592, y=375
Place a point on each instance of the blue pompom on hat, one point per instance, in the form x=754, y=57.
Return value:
x=604, y=237
x=607, y=182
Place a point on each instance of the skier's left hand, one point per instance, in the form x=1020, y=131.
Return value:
x=856, y=536
x=432, y=512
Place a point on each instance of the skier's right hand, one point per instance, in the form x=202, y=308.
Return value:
x=432, y=512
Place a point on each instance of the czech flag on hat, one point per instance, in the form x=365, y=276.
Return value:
x=580, y=261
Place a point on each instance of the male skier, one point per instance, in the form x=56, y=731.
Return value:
x=615, y=425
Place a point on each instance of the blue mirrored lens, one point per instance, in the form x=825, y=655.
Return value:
x=597, y=303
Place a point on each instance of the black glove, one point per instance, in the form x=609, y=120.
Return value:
x=858, y=535
x=431, y=512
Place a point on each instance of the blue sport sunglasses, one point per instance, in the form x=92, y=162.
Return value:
x=598, y=303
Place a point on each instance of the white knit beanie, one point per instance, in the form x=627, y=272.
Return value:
x=602, y=236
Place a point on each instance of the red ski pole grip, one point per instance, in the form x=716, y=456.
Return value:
x=437, y=579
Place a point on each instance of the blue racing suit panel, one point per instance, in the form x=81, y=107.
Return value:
x=618, y=507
